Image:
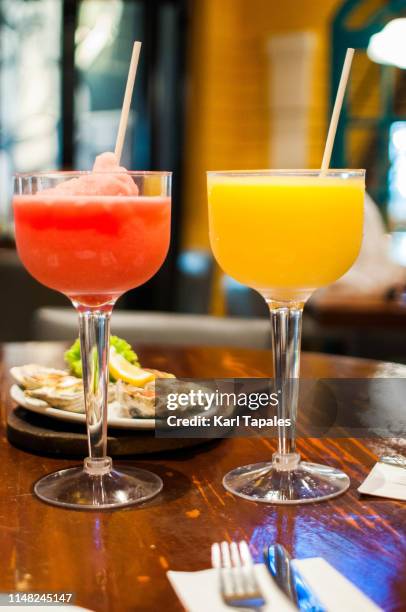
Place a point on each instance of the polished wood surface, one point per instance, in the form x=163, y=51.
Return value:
x=117, y=561
x=358, y=312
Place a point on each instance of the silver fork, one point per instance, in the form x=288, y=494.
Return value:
x=238, y=584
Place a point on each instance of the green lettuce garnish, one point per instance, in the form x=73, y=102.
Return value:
x=73, y=358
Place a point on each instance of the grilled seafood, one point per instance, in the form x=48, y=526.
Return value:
x=59, y=389
x=33, y=376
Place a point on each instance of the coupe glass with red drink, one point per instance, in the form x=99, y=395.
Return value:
x=93, y=236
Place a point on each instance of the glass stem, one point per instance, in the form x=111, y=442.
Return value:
x=94, y=333
x=286, y=321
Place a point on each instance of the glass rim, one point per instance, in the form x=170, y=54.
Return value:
x=73, y=173
x=289, y=172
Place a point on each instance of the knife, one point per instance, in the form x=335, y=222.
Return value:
x=289, y=580
x=278, y=563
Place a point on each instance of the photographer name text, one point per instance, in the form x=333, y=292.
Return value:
x=220, y=421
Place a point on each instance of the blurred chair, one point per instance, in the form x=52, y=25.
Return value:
x=160, y=328
x=22, y=295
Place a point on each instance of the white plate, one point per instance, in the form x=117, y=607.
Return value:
x=41, y=407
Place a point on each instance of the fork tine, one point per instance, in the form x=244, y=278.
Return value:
x=235, y=567
x=225, y=555
x=237, y=570
x=248, y=565
x=226, y=577
x=215, y=556
x=235, y=555
x=245, y=553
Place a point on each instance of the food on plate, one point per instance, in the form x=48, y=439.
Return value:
x=63, y=396
x=141, y=402
x=131, y=391
x=33, y=376
x=73, y=358
x=121, y=369
x=55, y=387
x=135, y=401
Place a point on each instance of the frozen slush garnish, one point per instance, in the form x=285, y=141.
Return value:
x=106, y=178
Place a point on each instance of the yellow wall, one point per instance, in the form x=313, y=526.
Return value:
x=228, y=122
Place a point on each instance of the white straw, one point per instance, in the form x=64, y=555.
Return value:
x=336, y=110
x=127, y=100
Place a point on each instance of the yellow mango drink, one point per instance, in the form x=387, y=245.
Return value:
x=286, y=233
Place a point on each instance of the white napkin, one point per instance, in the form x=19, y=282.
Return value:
x=331, y=588
x=198, y=591
x=385, y=481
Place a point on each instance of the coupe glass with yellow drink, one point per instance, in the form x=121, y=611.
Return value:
x=286, y=233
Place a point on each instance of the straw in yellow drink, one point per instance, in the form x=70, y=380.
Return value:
x=286, y=234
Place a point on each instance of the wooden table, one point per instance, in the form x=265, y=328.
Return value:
x=117, y=561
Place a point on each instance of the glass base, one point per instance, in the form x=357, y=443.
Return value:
x=305, y=484
x=79, y=489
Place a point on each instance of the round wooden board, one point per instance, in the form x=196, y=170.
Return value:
x=42, y=435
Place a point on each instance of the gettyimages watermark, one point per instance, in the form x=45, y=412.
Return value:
x=219, y=408
x=219, y=402
x=209, y=399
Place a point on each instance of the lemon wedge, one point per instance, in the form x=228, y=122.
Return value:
x=122, y=369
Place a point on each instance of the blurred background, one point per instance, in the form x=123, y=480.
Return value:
x=221, y=84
